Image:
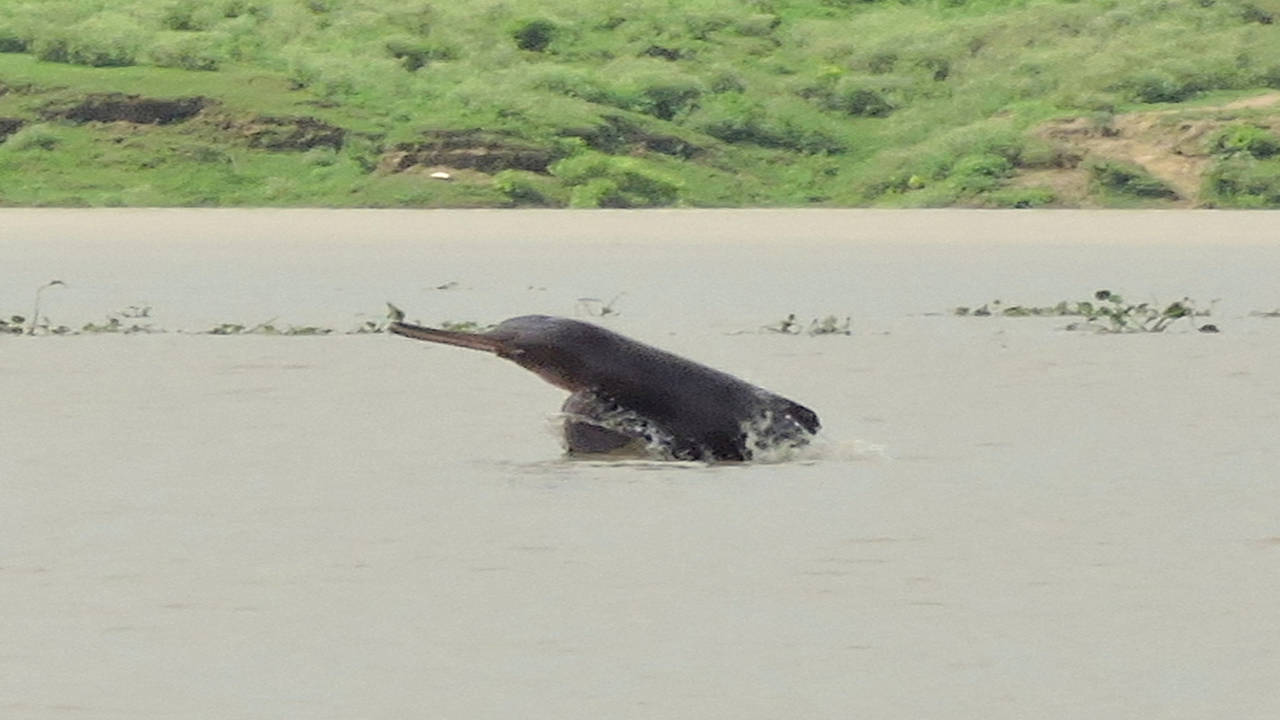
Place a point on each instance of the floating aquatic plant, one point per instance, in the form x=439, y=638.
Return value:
x=829, y=325
x=135, y=319
x=1107, y=312
x=267, y=328
x=124, y=321
x=13, y=325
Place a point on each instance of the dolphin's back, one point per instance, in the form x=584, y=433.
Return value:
x=623, y=390
x=708, y=414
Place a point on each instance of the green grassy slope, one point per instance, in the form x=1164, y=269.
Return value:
x=644, y=103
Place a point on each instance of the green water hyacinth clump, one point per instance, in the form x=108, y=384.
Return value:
x=13, y=325
x=828, y=325
x=1107, y=312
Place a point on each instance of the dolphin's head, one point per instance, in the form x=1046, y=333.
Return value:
x=559, y=350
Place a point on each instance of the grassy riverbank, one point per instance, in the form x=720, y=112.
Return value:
x=768, y=102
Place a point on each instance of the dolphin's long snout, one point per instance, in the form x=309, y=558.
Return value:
x=475, y=341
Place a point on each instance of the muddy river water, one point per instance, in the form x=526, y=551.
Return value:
x=1001, y=518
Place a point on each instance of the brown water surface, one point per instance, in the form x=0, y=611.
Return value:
x=1002, y=519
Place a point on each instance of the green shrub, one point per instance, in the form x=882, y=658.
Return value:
x=528, y=188
x=757, y=25
x=365, y=152
x=599, y=180
x=416, y=18
x=410, y=51
x=994, y=139
x=51, y=45
x=1244, y=182
x=938, y=68
x=597, y=193
x=322, y=7
x=1179, y=81
x=1125, y=179
x=188, y=52
x=1254, y=14
x=736, y=118
x=642, y=86
x=534, y=34
x=966, y=161
x=579, y=168
x=856, y=96
x=11, y=41
x=1156, y=86
x=334, y=76
x=1040, y=153
x=665, y=95
x=701, y=26
x=725, y=80
x=1270, y=76
x=577, y=83
x=979, y=173
x=33, y=137
x=260, y=9
x=246, y=43
x=974, y=158
x=1248, y=139
x=1023, y=197
x=104, y=40
x=415, y=53
x=881, y=62
x=189, y=15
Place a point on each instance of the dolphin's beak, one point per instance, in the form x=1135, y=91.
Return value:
x=474, y=341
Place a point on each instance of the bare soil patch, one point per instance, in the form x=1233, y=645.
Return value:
x=1170, y=144
x=117, y=107
x=467, y=149
x=9, y=126
x=282, y=133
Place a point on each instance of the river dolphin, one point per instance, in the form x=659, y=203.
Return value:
x=626, y=393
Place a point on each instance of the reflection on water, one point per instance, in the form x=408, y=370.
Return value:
x=999, y=518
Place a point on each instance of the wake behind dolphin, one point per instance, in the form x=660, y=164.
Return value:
x=624, y=393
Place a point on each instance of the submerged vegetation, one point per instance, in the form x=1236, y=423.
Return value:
x=411, y=103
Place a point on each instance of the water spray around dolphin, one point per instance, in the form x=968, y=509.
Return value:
x=624, y=393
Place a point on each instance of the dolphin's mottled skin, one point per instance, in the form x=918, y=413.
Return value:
x=623, y=391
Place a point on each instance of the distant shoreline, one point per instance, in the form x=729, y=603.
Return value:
x=821, y=104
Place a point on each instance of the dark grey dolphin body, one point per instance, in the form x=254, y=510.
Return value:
x=624, y=392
